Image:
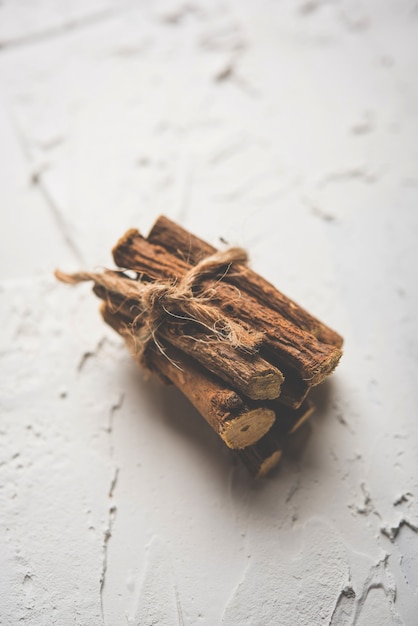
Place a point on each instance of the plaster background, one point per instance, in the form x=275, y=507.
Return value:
x=290, y=128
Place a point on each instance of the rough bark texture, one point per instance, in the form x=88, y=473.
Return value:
x=296, y=348
x=249, y=374
x=191, y=249
x=238, y=424
x=222, y=408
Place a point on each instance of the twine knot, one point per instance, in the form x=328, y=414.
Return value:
x=176, y=301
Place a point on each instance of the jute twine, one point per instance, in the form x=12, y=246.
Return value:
x=180, y=300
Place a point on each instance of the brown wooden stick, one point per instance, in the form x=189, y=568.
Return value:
x=191, y=249
x=294, y=389
x=237, y=423
x=251, y=375
x=260, y=457
x=288, y=420
x=233, y=370
x=264, y=455
x=296, y=348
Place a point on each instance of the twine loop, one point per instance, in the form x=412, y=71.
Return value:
x=176, y=301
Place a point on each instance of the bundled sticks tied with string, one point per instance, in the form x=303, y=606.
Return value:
x=242, y=352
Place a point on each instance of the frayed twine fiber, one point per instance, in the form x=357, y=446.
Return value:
x=162, y=301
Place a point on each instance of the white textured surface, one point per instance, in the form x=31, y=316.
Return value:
x=290, y=128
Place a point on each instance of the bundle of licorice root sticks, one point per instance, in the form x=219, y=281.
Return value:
x=243, y=353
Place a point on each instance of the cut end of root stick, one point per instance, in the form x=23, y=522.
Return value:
x=327, y=367
x=247, y=429
x=268, y=464
x=266, y=386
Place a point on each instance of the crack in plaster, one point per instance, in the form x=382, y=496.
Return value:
x=88, y=354
x=368, y=507
x=326, y=217
x=310, y=7
x=115, y=407
x=344, y=606
x=402, y=498
x=158, y=598
x=379, y=578
x=174, y=17
x=392, y=531
x=61, y=223
x=106, y=538
x=178, y=606
x=59, y=29
x=293, y=489
x=350, y=174
x=235, y=591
